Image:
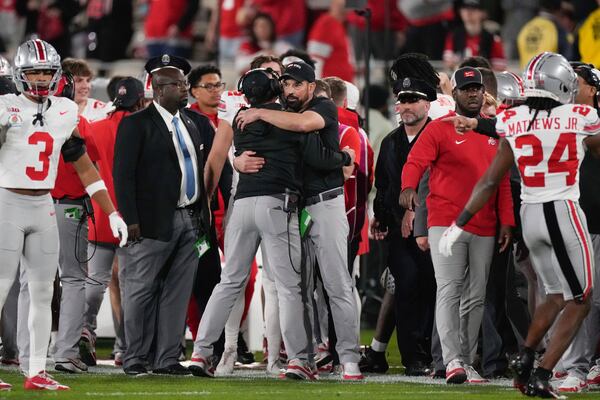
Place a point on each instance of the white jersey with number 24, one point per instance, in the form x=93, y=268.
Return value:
x=549, y=150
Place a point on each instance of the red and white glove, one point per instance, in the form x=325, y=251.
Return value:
x=118, y=227
x=449, y=237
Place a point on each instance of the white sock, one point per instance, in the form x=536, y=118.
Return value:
x=378, y=346
x=40, y=323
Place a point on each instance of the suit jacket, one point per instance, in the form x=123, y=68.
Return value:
x=147, y=175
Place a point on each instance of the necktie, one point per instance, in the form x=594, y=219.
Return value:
x=190, y=185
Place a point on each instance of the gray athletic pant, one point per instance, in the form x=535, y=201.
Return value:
x=578, y=356
x=10, y=349
x=72, y=278
x=156, y=280
x=99, y=274
x=461, y=281
x=328, y=242
x=256, y=219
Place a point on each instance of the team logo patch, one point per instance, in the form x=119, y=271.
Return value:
x=15, y=120
x=406, y=83
x=492, y=141
x=122, y=91
x=469, y=74
x=165, y=59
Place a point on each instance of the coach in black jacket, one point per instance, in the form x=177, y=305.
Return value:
x=158, y=176
x=414, y=292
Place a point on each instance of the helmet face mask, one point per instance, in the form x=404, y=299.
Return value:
x=551, y=76
x=35, y=57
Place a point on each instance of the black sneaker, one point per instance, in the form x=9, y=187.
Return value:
x=244, y=356
x=522, y=365
x=136, y=370
x=373, y=361
x=419, y=368
x=539, y=386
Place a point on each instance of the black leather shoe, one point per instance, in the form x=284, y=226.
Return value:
x=174, y=369
x=373, y=361
x=419, y=368
x=539, y=386
x=244, y=356
x=439, y=374
x=136, y=370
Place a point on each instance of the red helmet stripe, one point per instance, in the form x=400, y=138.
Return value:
x=532, y=65
x=40, y=50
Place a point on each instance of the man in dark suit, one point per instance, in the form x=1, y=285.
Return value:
x=158, y=169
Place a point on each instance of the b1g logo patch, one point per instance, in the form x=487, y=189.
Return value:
x=15, y=120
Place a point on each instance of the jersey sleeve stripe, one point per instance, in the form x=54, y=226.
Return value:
x=592, y=128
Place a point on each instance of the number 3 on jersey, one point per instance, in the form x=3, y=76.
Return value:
x=566, y=141
x=34, y=173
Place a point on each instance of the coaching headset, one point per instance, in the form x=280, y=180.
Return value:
x=260, y=85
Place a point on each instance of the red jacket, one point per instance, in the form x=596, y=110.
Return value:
x=104, y=133
x=329, y=44
x=67, y=182
x=456, y=163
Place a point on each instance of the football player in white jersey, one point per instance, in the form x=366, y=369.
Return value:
x=35, y=127
x=547, y=138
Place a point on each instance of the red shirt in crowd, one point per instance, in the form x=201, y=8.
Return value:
x=289, y=15
x=329, y=45
x=456, y=163
x=214, y=118
x=378, y=14
x=164, y=13
x=472, y=49
x=104, y=133
x=68, y=184
x=228, y=26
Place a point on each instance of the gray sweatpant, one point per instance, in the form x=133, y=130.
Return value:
x=99, y=274
x=72, y=278
x=461, y=281
x=256, y=219
x=578, y=356
x=328, y=241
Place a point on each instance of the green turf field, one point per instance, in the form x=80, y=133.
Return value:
x=247, y=386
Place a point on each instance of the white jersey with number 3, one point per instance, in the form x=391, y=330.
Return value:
x=29, y=153
x=549, y=150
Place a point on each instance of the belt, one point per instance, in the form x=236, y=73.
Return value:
x=66, y=200
x=324, y=196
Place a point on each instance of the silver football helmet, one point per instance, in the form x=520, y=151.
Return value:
x=550, y=75
x=147, y=81
x=511, y=90
x=5, y=68
x=41, y=56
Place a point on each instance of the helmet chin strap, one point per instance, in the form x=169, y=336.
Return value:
x=39, y=117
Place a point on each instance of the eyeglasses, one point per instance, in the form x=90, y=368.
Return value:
x=211, y=86
x=180, y=84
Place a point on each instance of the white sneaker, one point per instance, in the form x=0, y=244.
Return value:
x=473, y=376
x=71, y=365
x=573, y=384
x=455, y=372
x=351, y=372
x=227, y=362
x=276, y=369
x=593, y=377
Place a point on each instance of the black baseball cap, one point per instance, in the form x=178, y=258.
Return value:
x=413, y=87
x=167, y=61
x=466, y=76
x=588, y=73
x=129, y=92
x=299, y=71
